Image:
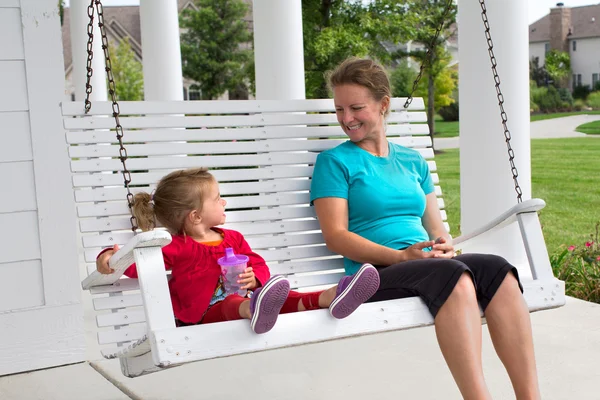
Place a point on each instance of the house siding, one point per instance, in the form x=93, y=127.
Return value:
x=586, y=60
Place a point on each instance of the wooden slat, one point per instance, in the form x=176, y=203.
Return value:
x=244, y=160
x=121, y=318
x=226, y=189
x=122, y=222
x=215, y=134
x=116, y=302
x=300, y=281
x=270, y=200
x=218, y=106
x=138, y=164
x=219, y=121
x=109, y=239
x=123, y=285
x=222, y=175
x=296, y=253
x=301, y=267
x=121, y=207
x=122, y=335
x=245, y=147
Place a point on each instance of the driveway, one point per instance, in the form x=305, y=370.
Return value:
x=547, y=129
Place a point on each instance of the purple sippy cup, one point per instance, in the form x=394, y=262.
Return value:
x=232, y=266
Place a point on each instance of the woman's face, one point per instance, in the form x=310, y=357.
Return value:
x=358, y=113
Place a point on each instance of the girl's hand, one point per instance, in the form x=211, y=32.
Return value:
x=102, y=261
x=443, y=248
x=248, y=279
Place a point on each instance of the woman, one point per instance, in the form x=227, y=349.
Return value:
x=376, y=203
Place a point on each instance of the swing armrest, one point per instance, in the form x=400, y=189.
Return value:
x=503, y=219
x=123, y=258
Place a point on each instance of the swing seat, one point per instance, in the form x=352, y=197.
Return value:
x=262, y=153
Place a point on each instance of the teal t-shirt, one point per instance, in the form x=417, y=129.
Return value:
x=386, y=195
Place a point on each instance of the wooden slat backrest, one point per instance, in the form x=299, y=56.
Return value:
x=262, y=152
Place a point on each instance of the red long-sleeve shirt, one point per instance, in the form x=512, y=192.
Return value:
x=195, y=271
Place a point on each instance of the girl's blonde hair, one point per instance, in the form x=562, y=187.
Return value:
x=176, y=195
x=363, y=72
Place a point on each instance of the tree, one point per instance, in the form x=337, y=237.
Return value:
x=215, y=47
x=538, y=74
x=433, y=15
x=335, y=30
x=558, y=65
x=402, y=78
x=61, y=10
x=127, y=72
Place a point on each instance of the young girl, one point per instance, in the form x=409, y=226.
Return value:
x=189, y=205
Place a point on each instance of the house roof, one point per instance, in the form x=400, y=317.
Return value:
x=121, y=22
x=585, y=23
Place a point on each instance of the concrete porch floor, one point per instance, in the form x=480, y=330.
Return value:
x=395, y=365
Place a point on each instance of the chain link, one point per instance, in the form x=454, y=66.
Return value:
x=429, y=54
x=507, y=135
x=116, y=111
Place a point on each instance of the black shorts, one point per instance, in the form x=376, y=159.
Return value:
x=433, y=279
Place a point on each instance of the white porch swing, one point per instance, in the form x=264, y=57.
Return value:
x=254, y=149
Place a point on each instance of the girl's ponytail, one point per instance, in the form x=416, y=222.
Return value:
x=143, y=210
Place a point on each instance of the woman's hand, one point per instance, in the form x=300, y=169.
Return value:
x=415, y=252
x=102, y=261
x=248, y=279
x=443, y=248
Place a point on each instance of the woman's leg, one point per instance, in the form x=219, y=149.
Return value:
x=458, y=329
x=499, y=293
x=510, y=329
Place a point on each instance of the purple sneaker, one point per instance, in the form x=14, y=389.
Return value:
x=266, y=302
x=354, y=290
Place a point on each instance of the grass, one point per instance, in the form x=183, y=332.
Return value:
x=564, y=174
x=591, y=128
x=445, y=129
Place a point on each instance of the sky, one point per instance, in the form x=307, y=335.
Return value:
x=537, y=8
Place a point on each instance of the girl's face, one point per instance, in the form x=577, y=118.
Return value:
x=358, y=113
x=213, y=208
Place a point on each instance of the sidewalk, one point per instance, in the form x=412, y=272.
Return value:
x=395, y=365
x=546, y=129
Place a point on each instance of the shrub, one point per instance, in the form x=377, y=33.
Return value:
x=547, y=99
x=565, y=96
x=449, y=113
x=579, y=267
x=579, y=105
x=593, y=100
x=581, y=92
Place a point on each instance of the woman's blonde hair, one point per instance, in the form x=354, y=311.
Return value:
x=176, y=195
x=363, y=72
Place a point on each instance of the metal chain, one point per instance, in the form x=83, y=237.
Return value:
x=113, y=94
x=507, y=135
x=90, y=56
x=429, y=54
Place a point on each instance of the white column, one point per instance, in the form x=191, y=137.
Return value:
x=159, y=20
x=278, y=49
x=486, y=182
x=78, y=21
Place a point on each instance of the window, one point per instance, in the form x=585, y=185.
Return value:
x=574, y=45
x=576, y=80
x=194, y=94
x=546, y=48
x=594, y=81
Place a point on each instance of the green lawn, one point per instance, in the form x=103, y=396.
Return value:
x=591, y=128
x=450, y=129
x=565, y=173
